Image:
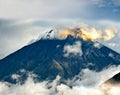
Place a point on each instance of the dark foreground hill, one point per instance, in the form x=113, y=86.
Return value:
x=115, y=80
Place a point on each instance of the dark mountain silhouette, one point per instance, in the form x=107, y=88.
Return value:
x=46, y=59
x=115, y=80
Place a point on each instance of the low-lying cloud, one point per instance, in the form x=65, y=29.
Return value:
x=88, y=83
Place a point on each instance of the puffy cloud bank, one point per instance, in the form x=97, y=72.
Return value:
x=86, y=83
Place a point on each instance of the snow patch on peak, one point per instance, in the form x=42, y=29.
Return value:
x=49, y=35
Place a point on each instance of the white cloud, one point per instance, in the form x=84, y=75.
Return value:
x=16, y=34
x=97, y=45
x=15, y=76
x=99, y=3
x=116, y=2
x=91, y=78
x=103, y=3
x=111, y=55
x=74, y=49
x=21, y=32
x=62, y=9
x=113, y=43
x=38, y=8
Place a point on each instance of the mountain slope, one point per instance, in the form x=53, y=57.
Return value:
x=46, y=59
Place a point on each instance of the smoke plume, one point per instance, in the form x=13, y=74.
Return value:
x=86, y=33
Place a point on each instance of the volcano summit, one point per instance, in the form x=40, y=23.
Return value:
x=49, y=57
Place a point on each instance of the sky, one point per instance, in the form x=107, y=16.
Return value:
x=22, y=21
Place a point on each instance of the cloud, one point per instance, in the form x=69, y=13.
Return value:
x=22, y=32
x=112, y=27
x=99, y=3
x=114, y=43
x=90, y=78
x=89, y=83
x=87, y=33
x=15, y=76
x=16, y=34
x=116, y=2
x=73, y=50
x=104, y=3
x=110, y=33
x=97, y=45
x=37, y=8
x=62, y=9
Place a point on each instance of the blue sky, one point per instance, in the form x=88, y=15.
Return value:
x=24, y=20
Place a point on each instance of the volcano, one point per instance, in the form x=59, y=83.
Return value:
x=48, y=58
